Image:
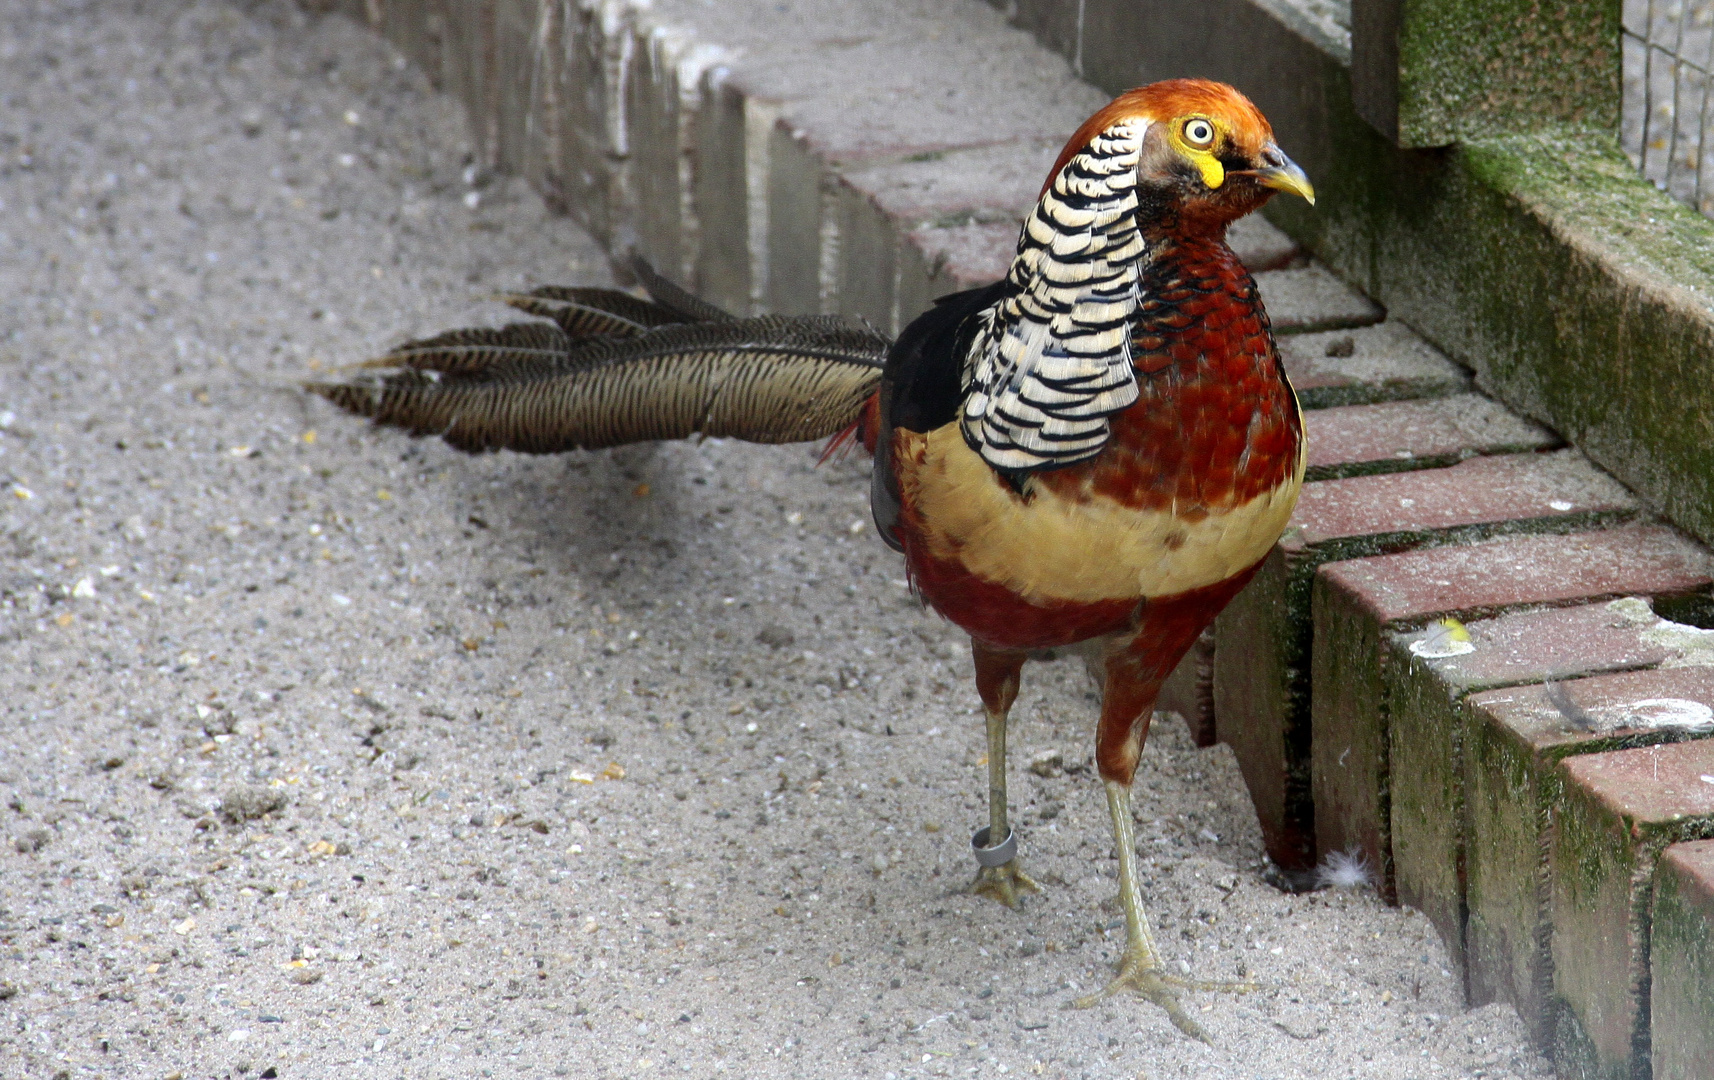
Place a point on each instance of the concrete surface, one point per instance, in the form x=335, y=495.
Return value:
x=324, y=753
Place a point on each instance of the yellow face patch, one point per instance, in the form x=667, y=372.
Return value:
x=1197, y=137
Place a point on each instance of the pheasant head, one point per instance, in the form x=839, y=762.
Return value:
x=1204, y=155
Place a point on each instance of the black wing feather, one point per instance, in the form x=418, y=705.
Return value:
x=922, y=386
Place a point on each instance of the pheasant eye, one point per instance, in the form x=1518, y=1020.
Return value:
x=1199, y=133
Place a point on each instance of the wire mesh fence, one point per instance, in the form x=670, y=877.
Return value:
x=1664, y=123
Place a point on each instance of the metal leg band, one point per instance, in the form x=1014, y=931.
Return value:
x=998, y=855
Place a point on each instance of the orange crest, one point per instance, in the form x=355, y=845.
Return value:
x=1169, y=98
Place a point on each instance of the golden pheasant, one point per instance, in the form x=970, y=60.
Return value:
x=1096, y=452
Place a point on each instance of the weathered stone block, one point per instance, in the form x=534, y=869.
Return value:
x=656, y=156
x=1308, y=299
x=1262, y=678
x=418, y=28
x=1127, y=43
x=1513, y=740
x=802, y=224
x=520, y=41
x=1055, y=23
x=1681, y=962
x=1261, y=245
x=1358, y=604
x=721, y=196
x=964, y=256
x=1427, y=722
x=866, y=283
x=1619, y=812
x=583, y=180
x=471, y=67
x=1386, y=362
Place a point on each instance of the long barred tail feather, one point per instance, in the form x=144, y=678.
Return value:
x=594, y=312
x=673, y=297
x=533, y=388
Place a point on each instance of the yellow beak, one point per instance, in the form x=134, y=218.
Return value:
x=1282, y=174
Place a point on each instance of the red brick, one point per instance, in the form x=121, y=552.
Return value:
x=1512, y=741
x=1397, y=436
x=1681, y=963
x=1478, y=497
x=1618, y=813
x=1357, y=603
x=1263, y=640
x=1482, y=578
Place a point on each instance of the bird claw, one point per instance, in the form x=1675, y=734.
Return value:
x=1142, y=974
x=1004, y=883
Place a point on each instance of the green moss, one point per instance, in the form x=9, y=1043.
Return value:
x=1475, y=66
x=1682, y=952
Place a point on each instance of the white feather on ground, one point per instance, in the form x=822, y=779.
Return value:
x=1348, y=869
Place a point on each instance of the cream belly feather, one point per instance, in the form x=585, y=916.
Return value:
x=1047, y=548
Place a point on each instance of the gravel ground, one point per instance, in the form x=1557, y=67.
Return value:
x=329, y=753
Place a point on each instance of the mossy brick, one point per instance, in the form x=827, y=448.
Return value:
x=1306, y=299
x=1263, y=639
x=1422, y=778
x=1618, y=811
x=1361, y=440
x=1681, y=961
x=1357, y=604
x=1513, y=740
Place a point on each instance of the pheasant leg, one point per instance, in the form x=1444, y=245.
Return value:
x=1140, y=966
x=1007, y=881
x=997, y=682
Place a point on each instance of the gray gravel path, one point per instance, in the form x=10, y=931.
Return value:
x=328, y=753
